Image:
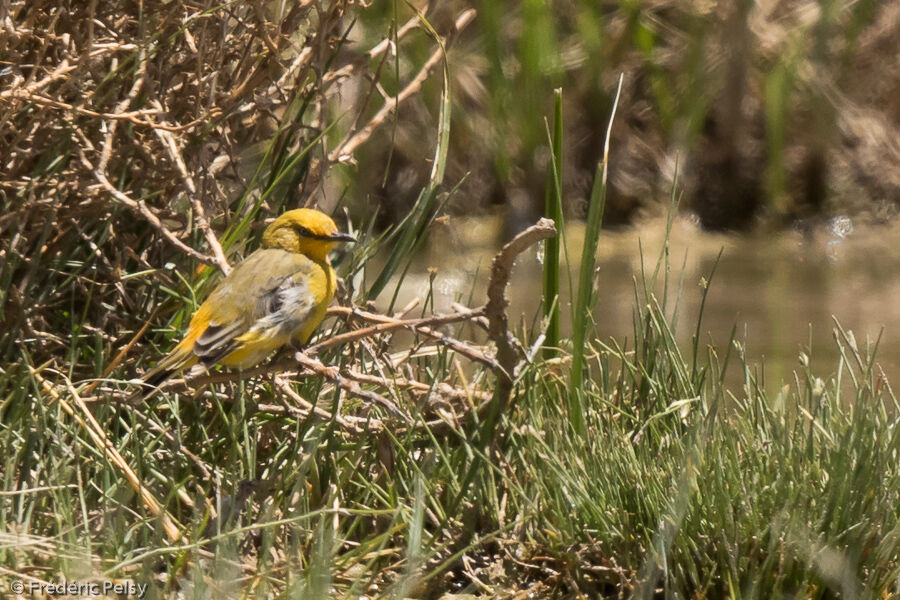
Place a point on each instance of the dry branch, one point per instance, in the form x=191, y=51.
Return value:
x=334, y=375
x=495, y=311
x=345, y=149
x=424, y=326
x=307, y=407
x=96, y=433
x=199, y=213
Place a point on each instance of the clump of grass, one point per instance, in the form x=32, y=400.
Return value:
x=685, y=487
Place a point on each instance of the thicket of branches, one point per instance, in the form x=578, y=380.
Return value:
x=164, y=134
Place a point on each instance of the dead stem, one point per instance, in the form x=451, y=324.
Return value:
x=345, y=149
x=96, y=433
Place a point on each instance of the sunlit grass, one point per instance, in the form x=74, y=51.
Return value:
x=678, y=485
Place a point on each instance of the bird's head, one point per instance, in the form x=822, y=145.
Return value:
x=306, y=231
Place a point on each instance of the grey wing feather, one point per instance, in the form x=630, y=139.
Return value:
x=286, y=306
x=217, y=341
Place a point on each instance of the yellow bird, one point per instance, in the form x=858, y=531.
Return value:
x=277, y=295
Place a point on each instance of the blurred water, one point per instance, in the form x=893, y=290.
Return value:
x=782, y=291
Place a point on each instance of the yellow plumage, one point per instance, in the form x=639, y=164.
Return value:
x=276, y=296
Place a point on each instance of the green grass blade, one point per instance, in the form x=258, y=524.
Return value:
x=582, y=323
x=553, y=210
x=413, y=227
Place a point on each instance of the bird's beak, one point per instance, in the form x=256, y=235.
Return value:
x=339, y=236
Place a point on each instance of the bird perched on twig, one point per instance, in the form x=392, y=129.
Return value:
x=277, y=296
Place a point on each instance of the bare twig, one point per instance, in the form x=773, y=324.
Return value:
x=60, y=72
x=386, y=323
x=495, y=311
x=130, y=116
x=137, y=206
x=345, y=149
x=261, y=71
x=309, y=363
x=387, y=43
x=148, y=215
x=501, y=267
x=423, y=326
x=333, y=375
x=443, y=389
x=199, y=213
x=308, y=407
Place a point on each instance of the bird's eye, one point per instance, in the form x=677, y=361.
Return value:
x=304, y=232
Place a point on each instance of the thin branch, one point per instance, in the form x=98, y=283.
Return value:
x=345, y=149
x=96, y=433
x=501, y=267
x=444, y=389
x=495, y=311
x=137, y=206
x=308, y=407
x=131, y=116
x=423, y=326
x=334, y=375
x=171, y=146
x=144, y=211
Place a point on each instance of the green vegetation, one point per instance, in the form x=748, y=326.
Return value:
x=679, y=483
x=553, y=210
x=415, y=455
x=771, y=110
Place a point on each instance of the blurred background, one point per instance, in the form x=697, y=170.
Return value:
x=780, y=114
x=773, y=124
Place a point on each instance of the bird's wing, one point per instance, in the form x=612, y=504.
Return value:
x=268, y=294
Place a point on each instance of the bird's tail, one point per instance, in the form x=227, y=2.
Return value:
x=180, y=358
x=157, y=375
